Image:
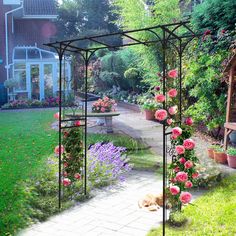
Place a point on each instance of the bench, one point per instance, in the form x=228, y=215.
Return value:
x=106, y=115
x=229, y=127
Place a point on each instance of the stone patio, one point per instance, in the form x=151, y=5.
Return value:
x=112, y=211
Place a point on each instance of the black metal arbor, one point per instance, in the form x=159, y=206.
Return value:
x=175, y=37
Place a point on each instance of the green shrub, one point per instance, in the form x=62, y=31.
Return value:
x=177, y=219
x=215, y=15
x=132, y=74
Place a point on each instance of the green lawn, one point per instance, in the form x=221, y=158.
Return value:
x=26, y=141
x=212, y=214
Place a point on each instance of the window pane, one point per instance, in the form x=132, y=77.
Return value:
x=47, y=55
x=20, y=54
x=19, y=66
x=20, y=76
x=33, y=54
x=48, y=81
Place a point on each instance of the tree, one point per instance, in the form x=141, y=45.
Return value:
x=78, y=18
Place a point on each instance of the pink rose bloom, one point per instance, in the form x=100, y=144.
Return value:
x=185, y=197
x=103, y=109
x=195, y=175
x=189, y=144
x=188, y=164
x=173, y=137
x=56, y=115
x=173, y=180
x=189, y=121
x=172, y=93
x=188, y=184
x=176, y=169
x=173, y=110
x=77, y=176
x=65, y=164
x=173, y=74
x=169, y=121
x=160, y=98
x=161, y=114
x=181, y=176
x=65, y=174
x=177, y=131
x=56, y=150
x=77, y=123
x=180, y=149
x=66, y=182
x=174, y=190
x=182, y=160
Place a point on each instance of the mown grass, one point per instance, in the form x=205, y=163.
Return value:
x=26, y=141
x=212, y=214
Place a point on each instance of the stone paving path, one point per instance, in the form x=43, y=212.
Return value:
x=113, y=211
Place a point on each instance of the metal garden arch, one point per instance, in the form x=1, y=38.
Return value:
x=174, y=35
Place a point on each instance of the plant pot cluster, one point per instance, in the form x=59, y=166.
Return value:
x=217, y=153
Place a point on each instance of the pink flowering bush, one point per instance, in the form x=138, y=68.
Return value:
x=182, y=171
x=104, y=105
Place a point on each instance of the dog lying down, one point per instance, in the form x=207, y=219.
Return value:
x=151, y=202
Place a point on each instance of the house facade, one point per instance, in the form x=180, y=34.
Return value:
x=29, y=66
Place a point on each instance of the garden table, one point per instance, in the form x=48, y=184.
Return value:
x=106, y=115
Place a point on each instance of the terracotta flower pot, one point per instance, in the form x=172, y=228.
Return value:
x=220, y=157
x=231, y=161
x=210, y=152
x=149, y=115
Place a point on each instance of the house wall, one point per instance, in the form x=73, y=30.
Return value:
x=3, y=9
x=27, y=32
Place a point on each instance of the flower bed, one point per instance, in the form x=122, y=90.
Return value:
x=19, y=104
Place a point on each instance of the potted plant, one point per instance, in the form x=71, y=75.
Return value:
x=210, y=150
x=149, y=107
x=231, y=157
x=219, y=155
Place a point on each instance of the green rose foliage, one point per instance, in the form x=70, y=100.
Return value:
x=73, y=155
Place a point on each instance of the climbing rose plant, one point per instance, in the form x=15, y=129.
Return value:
x=182, y=172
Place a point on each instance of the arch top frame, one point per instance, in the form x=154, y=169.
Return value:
x=162, y=34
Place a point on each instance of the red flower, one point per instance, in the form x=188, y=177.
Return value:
x=160, y=98
x=172, y=93
x=56, y=150
x=185, y=197
x=174, y=190
x=182, y=160
x=66, y=182
x=188, y=184
x=177, y=131
x=195, y=175
x=189, y=121
x=181, y=176
x=173, y=110
x=56, y=115
x=173, y=73
x=188, y=164
x=77, y=123
x=189, y=144
x=180, y=149
x=169, y=121
x=77, y=176
x=161, y=114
